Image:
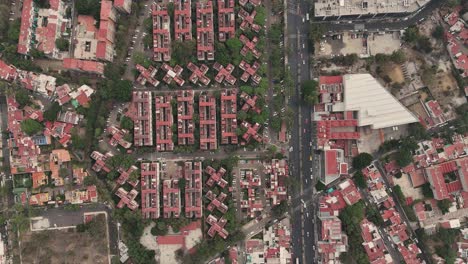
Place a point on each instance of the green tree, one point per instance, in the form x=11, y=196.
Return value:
x=438, y=32
x=280, y=209
x=360, y=180
x=31, y=126
x=418, y=131
x=398, y=56
x=51, y=113
x=183, y=52
x=126, y=123
x=64, y=172
x=404, y=157
x=22, y=98
x=88, y=7
x=4, y=15
x=427, y=191
x=374, y=216
x=181, y=184
x=444, y=205
x=62, y=44
x=411, y=34
x=309, y=92
x=362, y=160
x=14, y=31
x=260, y=18
x=316, y=32
x=320, y=186
x=123, y=91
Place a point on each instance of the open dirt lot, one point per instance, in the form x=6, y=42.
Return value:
x=67, y=246
x=383, y=43
x=394, y=72
x=418, y=109
x=349, y=43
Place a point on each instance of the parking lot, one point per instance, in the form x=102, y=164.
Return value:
x=362, y=44
x=254, y=170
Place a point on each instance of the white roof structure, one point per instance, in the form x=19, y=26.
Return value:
x=375, y=105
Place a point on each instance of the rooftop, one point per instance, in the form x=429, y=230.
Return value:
x=375, y=105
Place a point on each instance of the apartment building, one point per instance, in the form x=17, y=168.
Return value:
x=183, y=20
x=161, y=32
x=193, y=189
x=150, y=190
x=207, y=113
x=229, y=117
x=205, y=31
x=164, y=122
x=140, y=111
x=226, y=20
x=185, y=124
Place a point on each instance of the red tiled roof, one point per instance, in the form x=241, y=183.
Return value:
x=330, y=79
x=417, y=178
x=171, y=240
x=331, y=166
x=24, y=28
x=83, y=65
x=7, y=72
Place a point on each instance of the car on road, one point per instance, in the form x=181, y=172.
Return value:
x=311, y=176
x=308, y=234
x=310, y=157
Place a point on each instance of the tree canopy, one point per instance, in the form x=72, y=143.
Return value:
x=22, y=98
x=360, y=180
x=444, y=205
x=31, y=126
x=309, y=92
x=51, y=113
x=62, y=44
x=362, y=160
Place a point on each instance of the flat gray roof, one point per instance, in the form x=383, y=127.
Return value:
x=324, y=8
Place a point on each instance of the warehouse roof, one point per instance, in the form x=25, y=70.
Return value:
x=375, y=105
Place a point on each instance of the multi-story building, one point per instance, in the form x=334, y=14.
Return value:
x=141, y=112
x=185, y=124
x=147, y=75
x=161, y=33
x=193, y=189
x=183, y=20
x=250, y=72
x=226, y=20
x=164, y=121
x=357, y=9
x=41, y=27
x=224, y=73
x=198, y=74
x=205, y=31
x=150, y=190
x=124, y=6
x=171, y=198
x=207, y=113
x=229, y=117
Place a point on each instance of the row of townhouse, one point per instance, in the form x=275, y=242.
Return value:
x=141, y=112
x=183, y=26
x=41, y=27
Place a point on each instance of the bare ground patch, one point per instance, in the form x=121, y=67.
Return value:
x=67, y=246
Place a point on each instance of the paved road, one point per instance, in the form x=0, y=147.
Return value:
x=137, y=39
x=302, y=167
x=398, y=206
x=382, y=24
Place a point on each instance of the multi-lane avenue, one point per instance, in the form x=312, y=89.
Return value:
x=304, y=168
x=305, y=164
